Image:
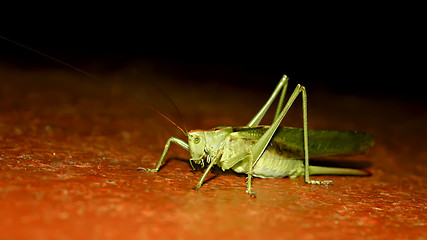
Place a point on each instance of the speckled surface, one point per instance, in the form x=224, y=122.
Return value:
x=69, y=150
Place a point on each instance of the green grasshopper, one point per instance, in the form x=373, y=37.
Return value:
x=271, y=151
x=261, y=151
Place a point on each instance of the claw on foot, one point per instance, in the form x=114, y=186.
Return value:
x=146, y=169
x=324, y=183
x=251, y=193
x=197, y=187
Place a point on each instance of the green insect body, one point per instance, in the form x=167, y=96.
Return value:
x=283, y=156
x=261, y=151
x=271, y=151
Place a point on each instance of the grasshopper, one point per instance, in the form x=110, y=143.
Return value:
x=261, y=151
x=270, y=151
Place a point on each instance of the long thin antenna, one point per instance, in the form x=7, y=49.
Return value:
x=54, y=59
x=96, y=78
x=176, y=108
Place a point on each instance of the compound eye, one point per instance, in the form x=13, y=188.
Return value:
x=196, y=140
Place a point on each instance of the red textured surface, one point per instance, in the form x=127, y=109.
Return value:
x=69, y=150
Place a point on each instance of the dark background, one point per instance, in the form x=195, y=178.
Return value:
x=361, y=50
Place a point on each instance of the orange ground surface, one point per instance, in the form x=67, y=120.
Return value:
x=69, y=150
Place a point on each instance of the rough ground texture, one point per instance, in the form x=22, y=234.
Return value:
x=70, y=147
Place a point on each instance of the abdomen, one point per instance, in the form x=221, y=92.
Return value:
x=273, y=164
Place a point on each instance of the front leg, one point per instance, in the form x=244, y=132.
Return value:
x=213, y=162
x=178, y=141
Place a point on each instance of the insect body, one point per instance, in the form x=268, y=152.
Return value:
x=283, y=156
x=271, y=151
x=261, y=151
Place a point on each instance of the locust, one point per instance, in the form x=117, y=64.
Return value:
x=270, y=151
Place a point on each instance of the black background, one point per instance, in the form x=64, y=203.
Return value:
x=359, y=50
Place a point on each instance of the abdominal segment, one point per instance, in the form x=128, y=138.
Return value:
x=275, y=162
x=272, y=165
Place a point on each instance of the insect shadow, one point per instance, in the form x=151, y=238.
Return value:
x=215, y=171
x=341, y=163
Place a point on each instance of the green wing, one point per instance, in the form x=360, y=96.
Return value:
x=320, y=142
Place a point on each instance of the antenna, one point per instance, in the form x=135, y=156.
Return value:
x=100, y=80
